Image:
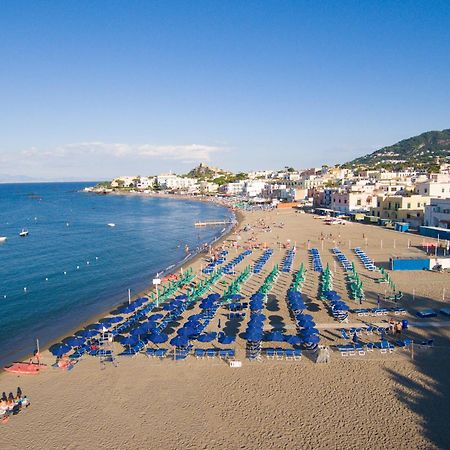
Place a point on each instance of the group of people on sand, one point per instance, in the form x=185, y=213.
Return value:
x=395, y=327
x=12, y=404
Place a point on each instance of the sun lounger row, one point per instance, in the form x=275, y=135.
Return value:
x=288, y=259
x=361, y=349
x=156, y=352
x=396, y=310
x=346, y=264
x=283, y=353
x=262, y=260
x=316, y=261
x=225, y=353
x=426, y=313
x=368, y=263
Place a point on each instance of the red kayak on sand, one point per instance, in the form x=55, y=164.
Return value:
x=25, y=368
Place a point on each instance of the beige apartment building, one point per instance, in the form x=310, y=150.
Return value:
x=400, y=208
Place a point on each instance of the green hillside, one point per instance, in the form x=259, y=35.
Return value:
x=425, y=151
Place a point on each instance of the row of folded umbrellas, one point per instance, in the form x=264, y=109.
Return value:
x=288, y=260
x=317, y=262
x=262, y=260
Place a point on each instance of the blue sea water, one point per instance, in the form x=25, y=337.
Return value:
x=73, y=265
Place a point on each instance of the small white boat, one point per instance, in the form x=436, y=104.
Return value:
x=3, y=238
x=23, y=233
x=111, y=224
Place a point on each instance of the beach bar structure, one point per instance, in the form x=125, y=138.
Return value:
x=402, y=263
x=435, y=232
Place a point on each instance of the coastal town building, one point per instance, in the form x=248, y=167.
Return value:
x=400, y=208
x=350, y=201
x=437, y=213
x=437, y=186
x=174, y=182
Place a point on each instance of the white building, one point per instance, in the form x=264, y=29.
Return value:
x=236, y=188
x=438, y=186
x=174, y=182
x=124, y=181
x=437, y=213
x=253, y=188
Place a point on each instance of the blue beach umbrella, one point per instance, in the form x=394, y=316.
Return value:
x=60, y=349
x=158, y=338
x=87, y=333
x=207, y=337
x=313, y=339
x=74, y=341
x=294, y=340
x=179, y=341
x=156, y=316
x=129, y=340
x=225, y=339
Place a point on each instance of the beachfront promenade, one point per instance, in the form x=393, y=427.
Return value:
x=274, y=295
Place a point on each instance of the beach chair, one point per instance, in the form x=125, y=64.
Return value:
x=344, y=349
x=270, y=353
x=297, y=354
x=344, y=334
x=231, y=352
x=150, y=352
x=289, y=354
x=279, y=353
x=370, y=346
x=160, y=352
x=199, y=353
x=223, y=353
x=211, y=353
x=426, y=313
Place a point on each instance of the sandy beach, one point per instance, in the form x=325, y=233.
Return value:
x=375, y=400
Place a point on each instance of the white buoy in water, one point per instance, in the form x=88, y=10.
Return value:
x=46, y=279
x=78, y=267
x=24, y=289
x=87, y=262
x=96, y=257
x=65, y=273
x=4, y=296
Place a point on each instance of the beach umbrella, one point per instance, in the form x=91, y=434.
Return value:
x=155, y=316
x=294, y=340
x=113, y=319
x=313, y=339
x=126, y=309
x=87, y=333
x=214, y=296
x=179, y=341
x=207, y=337
x=95, y=326
x=158, y=338
x=275, y=336
x=74, y=341
x=60, y=349
x=129, y=340
x=225, y=339
x=186, y=331
x=148, y=326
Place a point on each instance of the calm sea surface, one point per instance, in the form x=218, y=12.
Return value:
x=73, y=265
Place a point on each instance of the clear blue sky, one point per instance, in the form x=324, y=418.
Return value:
x=94, y=89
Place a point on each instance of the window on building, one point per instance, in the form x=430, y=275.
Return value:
x=408, y=205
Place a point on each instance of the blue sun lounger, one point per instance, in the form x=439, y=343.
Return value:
x=297, y=354
x=270, y=353
x=199, y=353
x=160, y=352
x=426, y=313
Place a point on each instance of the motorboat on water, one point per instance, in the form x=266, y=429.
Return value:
x=111, y=224
x=23, y=233
x=3, y=238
